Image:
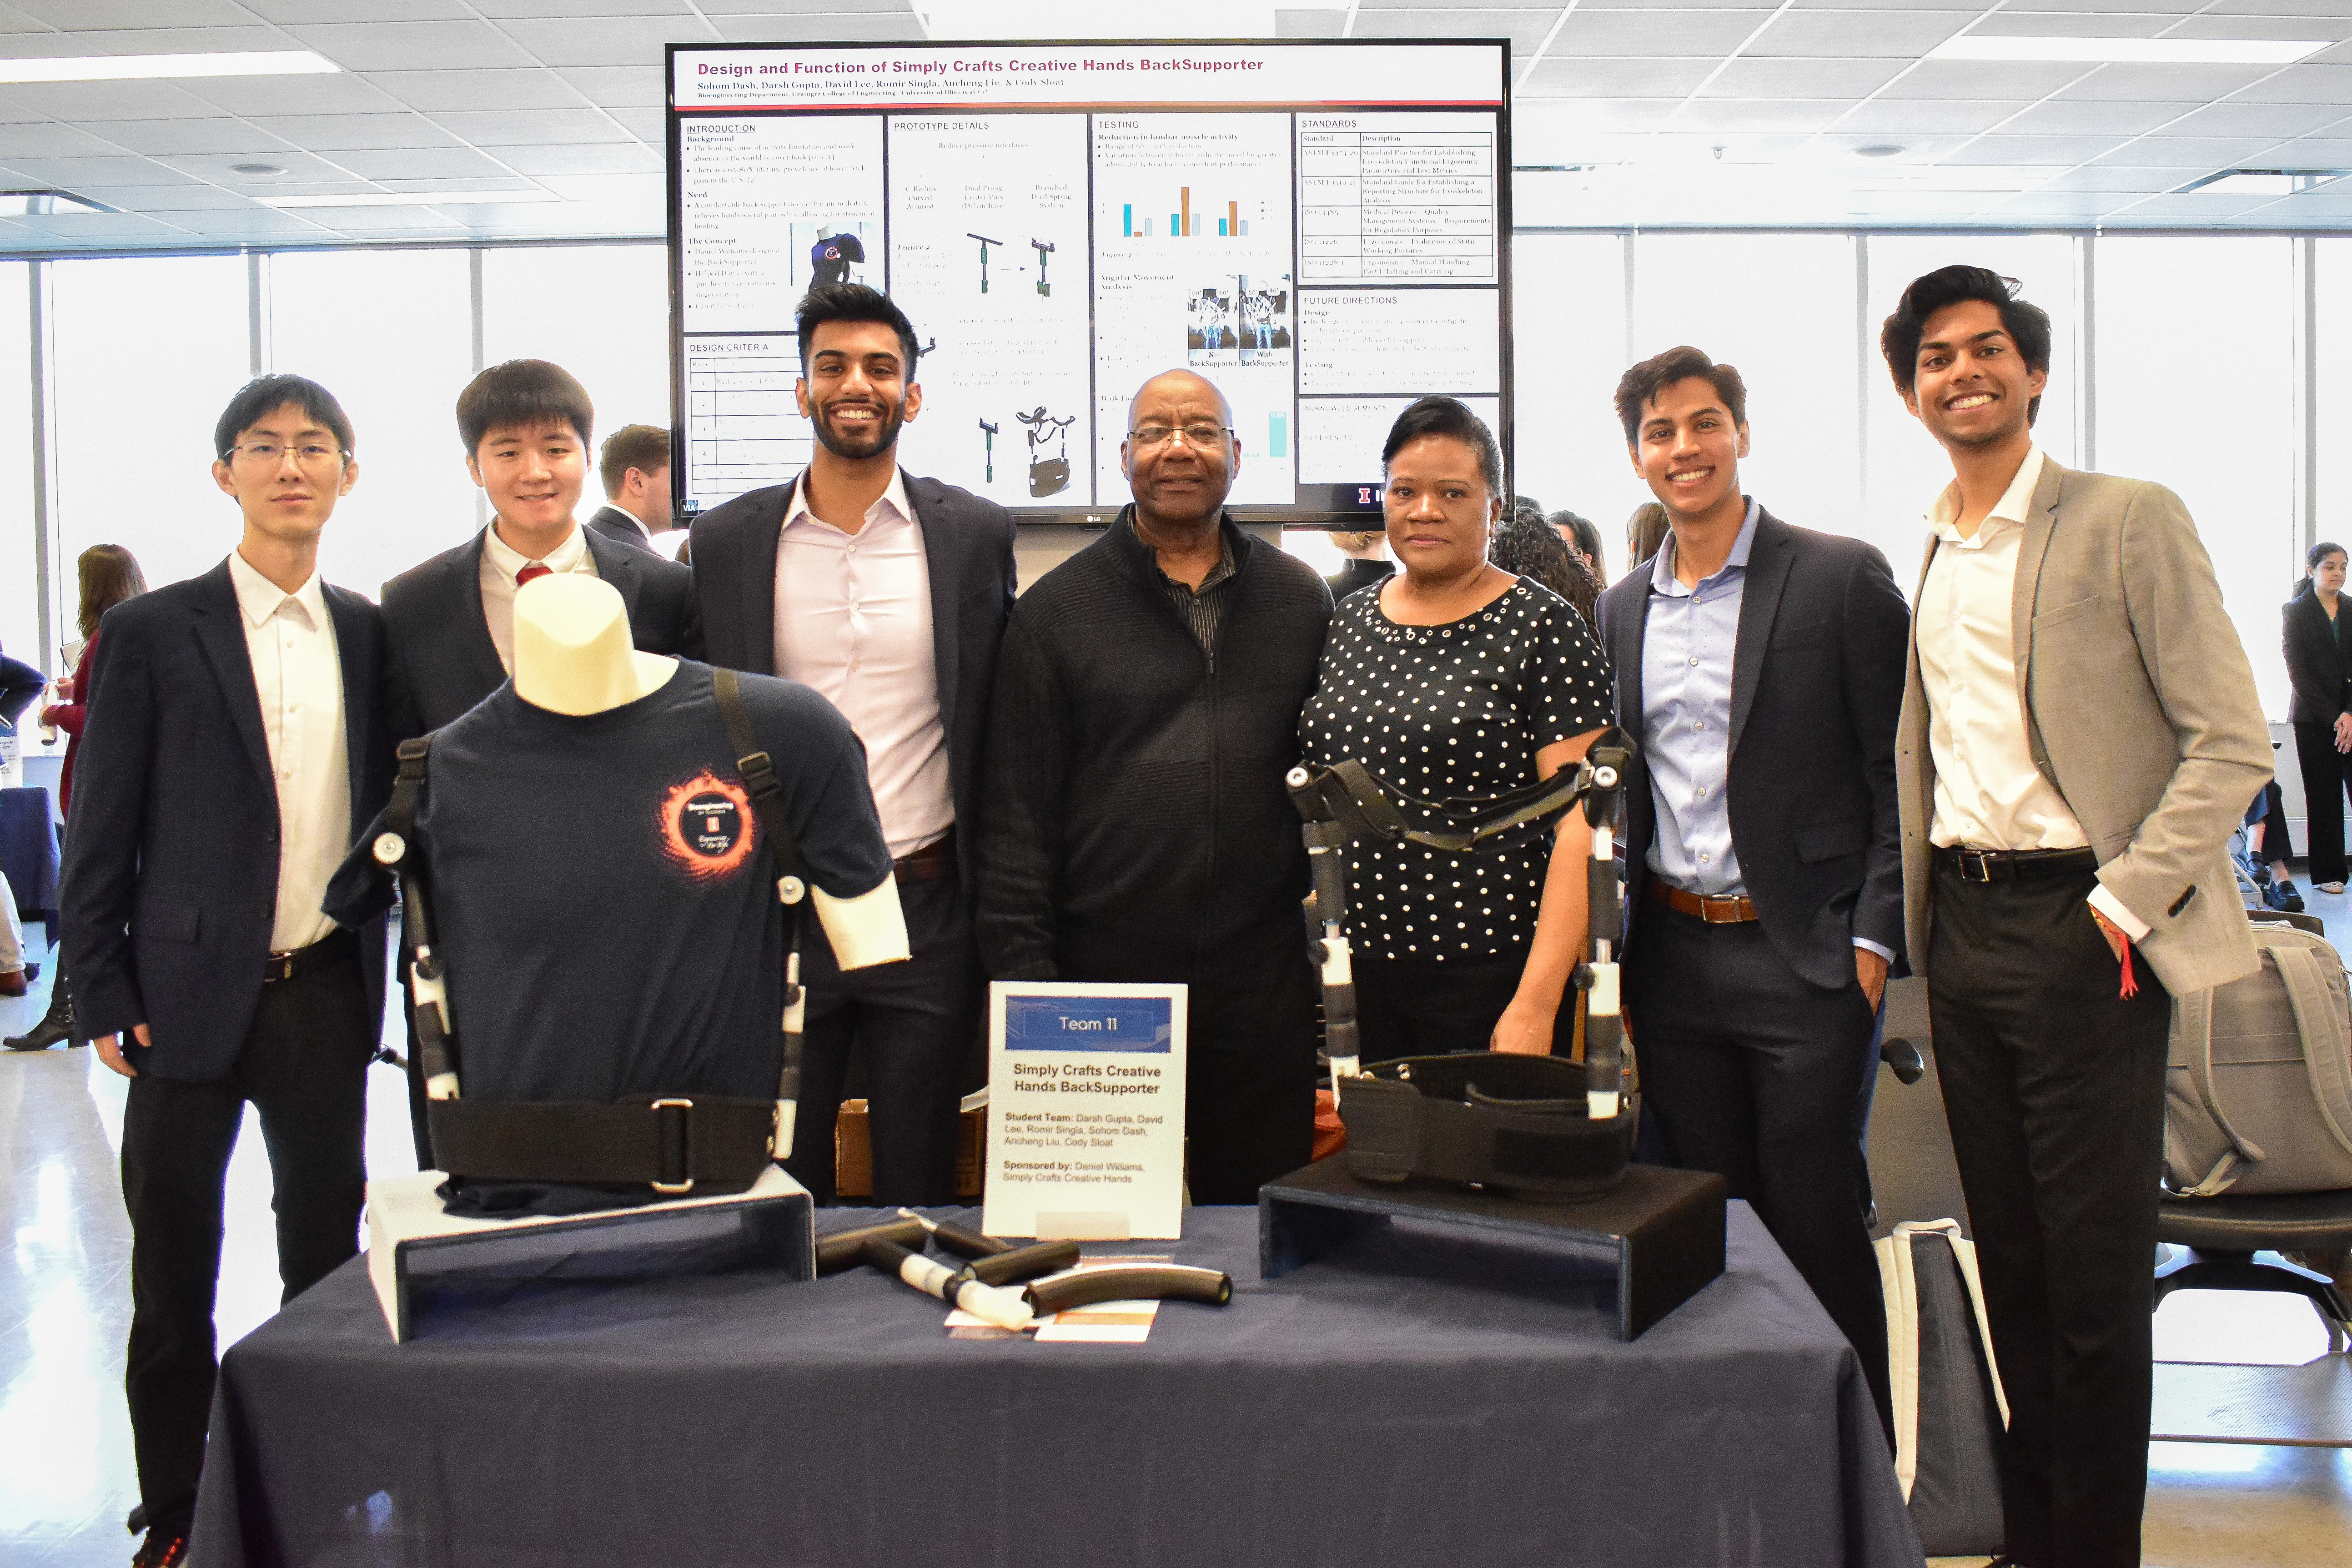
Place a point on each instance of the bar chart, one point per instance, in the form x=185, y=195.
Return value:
x=1185, y=222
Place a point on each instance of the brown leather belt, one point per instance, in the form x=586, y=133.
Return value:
x=929, y=864
x=1714, y=909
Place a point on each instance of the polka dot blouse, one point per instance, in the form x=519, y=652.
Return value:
x=1450, y=712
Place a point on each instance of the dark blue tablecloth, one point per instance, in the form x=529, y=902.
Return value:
x=1416, y=1399
x=28, y=855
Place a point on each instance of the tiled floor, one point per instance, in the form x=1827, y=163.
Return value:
x=67, y=1479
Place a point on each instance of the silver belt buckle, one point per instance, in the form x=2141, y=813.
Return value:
x=278, y=967
x=686, y=1150
x=1976, y=866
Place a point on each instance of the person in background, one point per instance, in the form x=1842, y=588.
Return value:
x=1458, y=681
x=19, y=684
x=887, y=594
x=2318, y=648
x=2080, y=736
x=1136, y=825
x=634, y=466
x=1645, y=530
x=109, y=574
x=1368, y=562
x=1582, y=535
x=236, y=734
x=1526, y=546
x=13, y=977
x=2269, y=849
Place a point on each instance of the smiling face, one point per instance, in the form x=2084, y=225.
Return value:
x=533, y=476
x=1971, y=388
x=1440, y=510
x=857, y=392
x=287, y=470
x=1688, y=448
x=1181, y=467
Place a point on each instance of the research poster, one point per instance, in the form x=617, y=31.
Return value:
x=1316, y=228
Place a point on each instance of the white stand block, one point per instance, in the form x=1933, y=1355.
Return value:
x=413, y=1245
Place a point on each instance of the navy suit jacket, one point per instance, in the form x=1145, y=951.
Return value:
x=1817, y=672
x=621, y=528
x=442, y=659
x=968, y=551
x=170, y=865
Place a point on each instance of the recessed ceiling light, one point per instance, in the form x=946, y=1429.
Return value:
x=38, y=204
x=2261, y=181
x=258, y=170
x=2129, y=51
x=410, y=198
x=1880, y=150
x=135, y=68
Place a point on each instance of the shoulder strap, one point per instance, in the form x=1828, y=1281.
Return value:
x=2195, y=1025
x=395, y=850
x=760, y=778
x=407, y=786
x=2318, y=1021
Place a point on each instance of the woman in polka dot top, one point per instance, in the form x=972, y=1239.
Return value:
x=1454, y=680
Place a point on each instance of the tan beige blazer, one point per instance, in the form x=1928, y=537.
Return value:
x=2139, y=708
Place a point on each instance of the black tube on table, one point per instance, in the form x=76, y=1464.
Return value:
x=845, y=1248
x=956, y=1238
x=1152, y=1283
x=1016, y=1264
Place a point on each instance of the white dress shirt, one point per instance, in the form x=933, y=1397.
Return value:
x=1989, y=794
x=501, y=562
x=853, y=621
x=298, y=673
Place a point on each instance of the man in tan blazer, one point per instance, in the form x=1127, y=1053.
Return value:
x=2080, y=733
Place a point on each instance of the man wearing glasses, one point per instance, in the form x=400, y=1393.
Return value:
x=236, y=736
x=1135, y=825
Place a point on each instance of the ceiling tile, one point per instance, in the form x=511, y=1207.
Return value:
x=510, y=86
x=121, y=170
x=1906, y=115
x=503, y=10
x=2189, y=151
x=2335, y=28
x=106, y=229
x=2003, y=80
x=1613, y=77
x=90, y=13
x=304, y=171
x=2304, y=84
x=2140, y=180
x=2240, y=119
x=337, y=133
x=185, y=40
x=2275, y=7
x=2050, y=22
x=586, y=158
x=2064, y=117
x=1891, y=33
x=358, y=10
x=1716, y=115
x=610, y=40
x=255, y=225
x=410, y=46
x=809, y=8
x=1846, y=79
x=1288, y=23
x=650, y=126
x=2037, y=152
x=1712, y=33
x=49, y=140
x=1525, y=29
x=153, y=136
x=78, y=100
x=619, y=87
x=395, y=164
x=527, y=128
x=1549, y=116
x=342, y=94
x=2164, y=84
x=190, y=195
x=610, y=188
x=870, y=27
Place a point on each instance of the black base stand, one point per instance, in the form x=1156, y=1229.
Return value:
x=1667, y=1226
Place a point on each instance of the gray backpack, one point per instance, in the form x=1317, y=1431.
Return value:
x=2258, y=1090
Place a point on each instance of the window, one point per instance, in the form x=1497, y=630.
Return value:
x=1568, y=331
x=601, y=311
x=2331, y=348
x=20, y=576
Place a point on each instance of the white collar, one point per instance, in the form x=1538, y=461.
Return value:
x=2014, y=503
x=895, y=498
x=259, y=598
x=565, y=557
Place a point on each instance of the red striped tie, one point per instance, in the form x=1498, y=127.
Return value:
x=536, y=569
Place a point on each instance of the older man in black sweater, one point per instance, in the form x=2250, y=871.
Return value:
x=1135, y=828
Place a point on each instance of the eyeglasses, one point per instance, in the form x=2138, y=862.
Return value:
x=1194, y=434
x=309, y=455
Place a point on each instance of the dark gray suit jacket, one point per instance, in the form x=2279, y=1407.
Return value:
x=443, y=661
x=967, y=549
x=171, y=870
x=1816, y=688
x=620, y=528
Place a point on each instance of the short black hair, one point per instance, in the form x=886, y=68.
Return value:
x=523, y=393
x=1642, y=383
x=263, y=396
x=644, y=447
x=853, y=302
x=2027, y=324
x=1450, y=417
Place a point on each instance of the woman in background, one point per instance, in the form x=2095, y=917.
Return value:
x=2319, y=647
x=1527, y=545
x=1644, y=532
x=109, y=574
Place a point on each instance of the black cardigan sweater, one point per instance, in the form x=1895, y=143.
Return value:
x=2321, y=685
x=1136, y=825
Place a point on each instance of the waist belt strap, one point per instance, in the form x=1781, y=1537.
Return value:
x=670, y=1143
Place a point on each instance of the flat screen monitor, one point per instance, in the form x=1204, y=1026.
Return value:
x=1318, y=228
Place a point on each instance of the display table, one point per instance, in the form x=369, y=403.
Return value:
x=28, y=855
x=1413, y=1398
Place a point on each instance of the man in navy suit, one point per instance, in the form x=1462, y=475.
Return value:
x=634, y=467
x=1761, y=667
x=887, y=594
x=237, y=736
x=526, y=426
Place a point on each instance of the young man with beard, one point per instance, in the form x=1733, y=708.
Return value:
x=1138, y=828
x=887, y=594
x=2080, y=735
x=1759, y=667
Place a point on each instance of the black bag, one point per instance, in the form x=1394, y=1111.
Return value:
x=1949, y=1412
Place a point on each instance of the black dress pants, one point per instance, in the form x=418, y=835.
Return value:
x=2054, y=1086
x=1249, y=1087
x=1749, y=1071
x=1423, y=1007
x=2326, y=772
x=303, y=1065
x=910, y=1026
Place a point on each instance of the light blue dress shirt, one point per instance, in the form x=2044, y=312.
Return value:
x=1687, y=657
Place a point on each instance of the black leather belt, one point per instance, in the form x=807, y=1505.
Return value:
x=671, y=1142
x=2013, y=865
x=931, y=863
x=333, y=947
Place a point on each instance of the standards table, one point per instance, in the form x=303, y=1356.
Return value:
x=1415, y=1398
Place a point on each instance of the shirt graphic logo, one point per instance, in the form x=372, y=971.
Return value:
x=706, y=825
